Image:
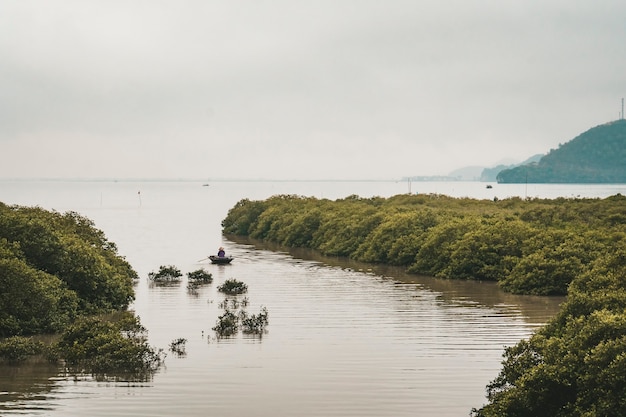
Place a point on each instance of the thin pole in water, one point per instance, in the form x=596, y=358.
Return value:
x=139, y=194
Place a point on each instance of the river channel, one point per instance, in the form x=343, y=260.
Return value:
x=344, y=338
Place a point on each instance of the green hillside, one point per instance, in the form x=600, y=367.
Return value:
x=596, y=156
x=491, y=174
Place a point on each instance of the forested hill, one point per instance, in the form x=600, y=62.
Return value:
x=596, y=156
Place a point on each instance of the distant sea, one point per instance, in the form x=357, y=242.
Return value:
x=333, y=189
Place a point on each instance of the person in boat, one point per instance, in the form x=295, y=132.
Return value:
x=221, y=253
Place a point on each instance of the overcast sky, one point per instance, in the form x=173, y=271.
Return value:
x=292, y=89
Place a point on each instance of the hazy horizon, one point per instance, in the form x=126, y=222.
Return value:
x=209, y=180
x=304, y=90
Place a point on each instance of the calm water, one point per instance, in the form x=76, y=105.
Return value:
x=345, y=339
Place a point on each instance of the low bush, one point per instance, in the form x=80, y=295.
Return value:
x=255, y=323
x=166, y=273
x=233, y=287
x=16, y=349
x=178, y=346
x=109, y=348
x=200, y=276
x=227, y=324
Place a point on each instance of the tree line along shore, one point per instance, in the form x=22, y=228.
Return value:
x=573, y=366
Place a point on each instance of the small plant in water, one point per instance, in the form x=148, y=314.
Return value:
x=197, y=278
x=227, y=324
x=166, y=273
x=233, y=287
x=200, y=276
x=109, y=349
x=233, y=303
x=255, y=323
x=178, y=346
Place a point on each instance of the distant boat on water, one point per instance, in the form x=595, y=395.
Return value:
x=221, y=260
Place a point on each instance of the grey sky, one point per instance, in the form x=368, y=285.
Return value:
x=289, y=89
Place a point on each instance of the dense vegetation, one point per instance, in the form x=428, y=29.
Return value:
x=54, y=267
x=60, y=275
x=575, y=365
x=528, y=247
x=596, y=156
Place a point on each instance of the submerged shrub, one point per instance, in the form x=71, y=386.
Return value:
x=255, y=323
x=200, y=276
x=102, y=348
x=197, y=278
x=178, y=346
x=166, y=273
x=233, y=287
x=234, y=303
x=227, y=324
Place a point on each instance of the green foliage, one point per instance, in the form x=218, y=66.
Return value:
x=346, y=227
x=18, y=348
x=233, y=287
x=254, y=323
x=528, y=246
x=575, y=365
x=200, y=275
x=166, y=273
x=488, y=251
x=242, y=216
x=596, y=156
x=177, y=346
x=435, y=252
x=397, y=239
x=553, y=262
x=109, y=348
x=197, y=278
x=68, y=248
x=227, y=324
x=32, y=301
x=56, y=271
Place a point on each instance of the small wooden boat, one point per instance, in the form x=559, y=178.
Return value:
x=220, y=260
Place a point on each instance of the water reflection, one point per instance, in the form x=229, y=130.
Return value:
x=535, y=309
x=26, y=385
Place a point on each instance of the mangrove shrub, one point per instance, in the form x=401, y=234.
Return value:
x=576, y=364
x=533, y=246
